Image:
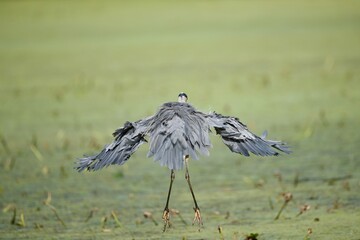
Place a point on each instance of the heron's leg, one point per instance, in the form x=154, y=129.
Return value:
x=166, y=214
x=197, y=217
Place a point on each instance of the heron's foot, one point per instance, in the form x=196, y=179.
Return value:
x=166, y=218
x=197, y=217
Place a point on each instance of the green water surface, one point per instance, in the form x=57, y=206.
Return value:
x=71, y=72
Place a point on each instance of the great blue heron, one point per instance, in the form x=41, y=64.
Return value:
x=177, y=132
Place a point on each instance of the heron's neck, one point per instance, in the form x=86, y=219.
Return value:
x=182, y=99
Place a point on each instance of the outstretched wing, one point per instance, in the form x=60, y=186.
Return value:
x=240, y=140
x=126, y=142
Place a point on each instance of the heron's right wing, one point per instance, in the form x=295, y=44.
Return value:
x=126, y=142
x=239, y=139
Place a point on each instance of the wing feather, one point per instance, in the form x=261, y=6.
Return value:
x=127, y=141
x=239, y=139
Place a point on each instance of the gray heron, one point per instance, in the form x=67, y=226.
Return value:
x=177, y=132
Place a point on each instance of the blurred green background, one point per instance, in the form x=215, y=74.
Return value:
x=73, y=71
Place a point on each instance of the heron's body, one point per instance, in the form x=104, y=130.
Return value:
x=176, y=132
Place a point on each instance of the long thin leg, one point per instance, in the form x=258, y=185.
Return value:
x=166, y=214
x=197, y=217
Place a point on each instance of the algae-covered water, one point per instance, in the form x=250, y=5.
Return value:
x=71, y=72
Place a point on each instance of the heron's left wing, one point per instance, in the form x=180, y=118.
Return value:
x=126, y=142
x=239, y=139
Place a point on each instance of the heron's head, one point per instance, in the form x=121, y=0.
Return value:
x=182, y=97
